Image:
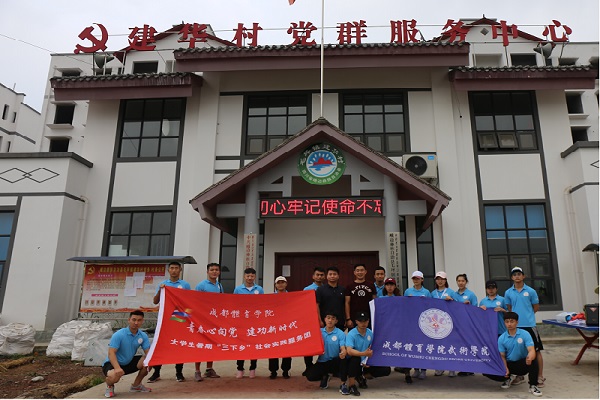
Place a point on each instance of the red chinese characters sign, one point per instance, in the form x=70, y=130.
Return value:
x=321, y=207
x=198, y=326
x=349, y=32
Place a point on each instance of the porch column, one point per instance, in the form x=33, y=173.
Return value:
x=251, y=225
x=392, y=230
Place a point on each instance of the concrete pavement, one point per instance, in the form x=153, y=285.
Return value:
x=563, y=381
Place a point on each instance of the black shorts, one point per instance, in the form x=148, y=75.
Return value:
x=537, y=341
x=128, y=369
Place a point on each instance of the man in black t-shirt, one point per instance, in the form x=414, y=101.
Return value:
x=358, y=295
x=330, y=297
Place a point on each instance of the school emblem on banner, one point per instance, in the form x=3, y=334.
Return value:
x=436, y=324
x=321, y=164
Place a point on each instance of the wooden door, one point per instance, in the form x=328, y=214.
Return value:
x=303, y=264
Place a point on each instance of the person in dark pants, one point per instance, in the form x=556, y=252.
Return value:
x=286, y=363
x=358, y=346
x=518, y=354
x=330, y=297
x=334, y=344
x=174, y=269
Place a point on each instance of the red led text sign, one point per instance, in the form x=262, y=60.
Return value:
x=321, y=207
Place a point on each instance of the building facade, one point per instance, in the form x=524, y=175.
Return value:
x=468, y=157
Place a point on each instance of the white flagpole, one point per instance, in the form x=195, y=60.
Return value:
x=322, y=49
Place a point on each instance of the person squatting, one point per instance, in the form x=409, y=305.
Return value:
x=346, y=352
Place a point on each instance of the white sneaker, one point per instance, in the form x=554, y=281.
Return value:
x=508, y=382
x=535, y=391
x=239, y=374
x=452, y=374
x=252, y=374
x=423, y=374
x=439, y=372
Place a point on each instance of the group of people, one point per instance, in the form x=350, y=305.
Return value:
x=340, y=308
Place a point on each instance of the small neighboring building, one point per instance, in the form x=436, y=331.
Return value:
x=468, y=157
x=20, y=125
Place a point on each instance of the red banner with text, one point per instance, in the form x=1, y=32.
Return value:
x=198, y=326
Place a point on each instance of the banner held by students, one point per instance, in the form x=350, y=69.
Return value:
x=199, y=326
x=418, y=332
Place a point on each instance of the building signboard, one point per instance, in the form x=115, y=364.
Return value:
x=321, y=207
x=321, y=164
x=120, y=287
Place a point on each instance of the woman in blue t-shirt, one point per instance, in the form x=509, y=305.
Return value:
x=465, y=296
x=443, y=292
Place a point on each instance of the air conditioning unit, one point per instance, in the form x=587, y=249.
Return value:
x=422, y=165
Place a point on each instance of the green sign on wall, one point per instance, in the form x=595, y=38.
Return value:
x=321, y=164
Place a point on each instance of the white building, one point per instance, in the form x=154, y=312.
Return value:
x=19, y=123
x=505, y=139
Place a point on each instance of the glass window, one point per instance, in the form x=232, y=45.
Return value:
x=504, y=121
x=517, y=235
x=6, y=224
x=151, y=128
x=372, y=118
x=137, y=233
x=272, y=119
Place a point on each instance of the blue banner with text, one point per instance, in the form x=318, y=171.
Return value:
x=420, y=332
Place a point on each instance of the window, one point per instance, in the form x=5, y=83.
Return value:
x=517, y=235
x=272, y=119
x=579, y=134
x=151, y=128
x=59, y=145
x=425, y=253
x=140, y=233
x=228, y=257
x=574, y=104
x=145, y=67
x=64, y=114
x=523, y=60
x=6, y=227
x=377, y=120
x=504, y=121
x=14, y=117
x=5, y=112
x=71, y=72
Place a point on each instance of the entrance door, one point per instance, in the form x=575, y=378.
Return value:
x=302, y=265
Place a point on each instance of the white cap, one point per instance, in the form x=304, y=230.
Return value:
x=280, y=278
x=418, y=274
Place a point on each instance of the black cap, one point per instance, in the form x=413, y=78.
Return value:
x=491, y=284
x=515, y=270
x=361, y=316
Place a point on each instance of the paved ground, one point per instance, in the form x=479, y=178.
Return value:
x=563, y=381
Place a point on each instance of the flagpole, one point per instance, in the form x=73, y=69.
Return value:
x=322, y=49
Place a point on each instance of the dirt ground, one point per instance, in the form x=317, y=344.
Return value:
x=61, y=377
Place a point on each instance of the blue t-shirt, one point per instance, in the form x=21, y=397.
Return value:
x=380, y=291
x=522, y=303
x=242, y=289
x=490, y=304
x=441, y=294
x=417, y=293
x=466, y=295
x=332, y=342
x=179, y=284
x=207, y=286
x=312, y=286
x=515, y=347
x=359, y=342
x=127, y=344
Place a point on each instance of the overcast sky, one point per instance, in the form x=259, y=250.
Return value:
x=32, y=30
